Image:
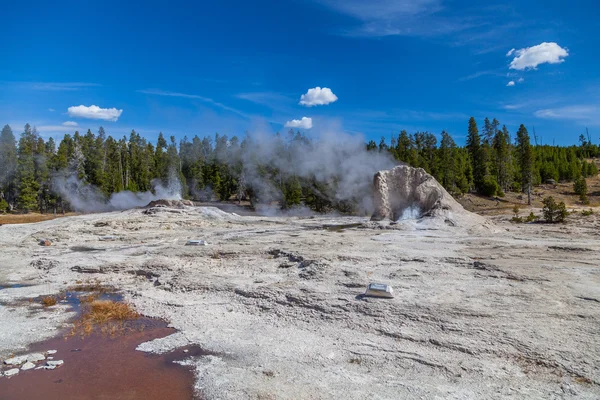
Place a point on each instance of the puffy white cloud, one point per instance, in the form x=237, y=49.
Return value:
x=511, y=83
x=531, y=57
x=95, y=112
x=510, y=52
x=317, y=97
x=70, y=123
x=304, y=123
x=521, y=80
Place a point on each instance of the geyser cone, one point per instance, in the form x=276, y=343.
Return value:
x=406, y=192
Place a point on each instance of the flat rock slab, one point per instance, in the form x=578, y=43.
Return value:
x=18, y=360
x=11, y=372
x=28, y=365
x=35, y=357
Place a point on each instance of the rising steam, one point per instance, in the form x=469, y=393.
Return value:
x=340, y=162
x=84, y=197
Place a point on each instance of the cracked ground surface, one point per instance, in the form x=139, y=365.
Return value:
x=503, y=311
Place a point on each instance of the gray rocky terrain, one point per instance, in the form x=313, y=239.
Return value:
x=490, y=310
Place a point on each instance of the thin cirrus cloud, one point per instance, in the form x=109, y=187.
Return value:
x=396, y=17
x=59, y=86
x=94, y=112
x=70, y=123
x=304, y=123
x=158, y=92
x=318, y=96
x=581, y=113
x=531, y=57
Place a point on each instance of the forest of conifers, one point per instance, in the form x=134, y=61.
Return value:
x=492, y=162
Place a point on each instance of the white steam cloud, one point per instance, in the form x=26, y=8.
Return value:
x=87, y=198
x=337, y=167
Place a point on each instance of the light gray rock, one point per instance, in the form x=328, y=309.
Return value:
x=51, y=352
x=35, y=357
x=28, y=365
x=50, y=367
x=18, y=360
x=11, y=372
x=55, y=363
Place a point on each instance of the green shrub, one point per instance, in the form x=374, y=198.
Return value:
x=3, y=205
x=531, y=217
x=490, y=186
x=580, y=188
x=587, y=213
x=554, y=212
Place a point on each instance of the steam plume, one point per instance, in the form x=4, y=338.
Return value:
x=84, y=197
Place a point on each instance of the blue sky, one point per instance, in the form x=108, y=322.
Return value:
x=237, y=66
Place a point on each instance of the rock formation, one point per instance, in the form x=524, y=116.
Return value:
x=170, y=203
x=404, y=190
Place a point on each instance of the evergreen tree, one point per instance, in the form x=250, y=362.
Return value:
x=473, y=145
x=526, y=158
x=27, y=184
x=8, y=167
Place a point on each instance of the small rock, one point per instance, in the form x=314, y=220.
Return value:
x=34, y=357
x=55, y=363
x=186, y=350
x=16, y=360
x=28, y=365
x=50, y=358
x=51, y=351
x=50, y=367
x=40, y=367
x=11, y=372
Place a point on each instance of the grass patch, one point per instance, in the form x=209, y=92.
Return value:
x=106, y=315
x=583, y=379
x=49, y=301
x=28, y=218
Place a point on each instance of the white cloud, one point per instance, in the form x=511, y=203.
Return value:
x=51, y=109
x=520, y=80
x=511, y=83
x=510, y=52
x=304, y=123
x=95, y=112
x=317, y=97
x=588, y=114
x=70, y=123
x=531, y=57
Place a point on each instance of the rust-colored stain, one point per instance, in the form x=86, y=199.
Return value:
x=101, y=366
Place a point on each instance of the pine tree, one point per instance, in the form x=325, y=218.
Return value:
x=27, y=185
x=473, y=145
x=525, y=159
x=8, y=167
x=503, y=170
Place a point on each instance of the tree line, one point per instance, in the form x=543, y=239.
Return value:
x=491, y=163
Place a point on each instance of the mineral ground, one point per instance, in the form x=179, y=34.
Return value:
x=492, y=311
